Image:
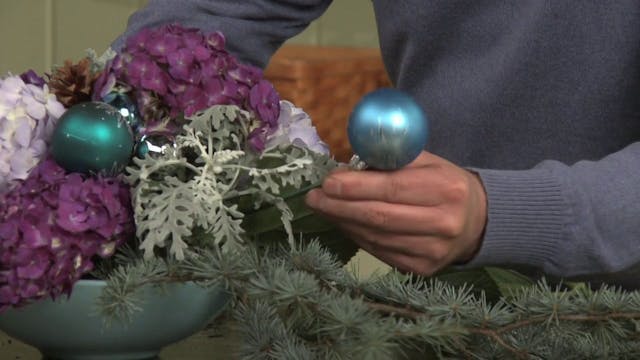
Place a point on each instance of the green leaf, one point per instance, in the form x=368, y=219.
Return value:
x=508, y=281
x=478, y=278
x=337, y=244
x=333, y=240
x=268, y=218
x=312, y=223
x=494, y=282
x=262, y=221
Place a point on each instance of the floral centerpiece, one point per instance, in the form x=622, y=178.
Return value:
x=160, y=155
x=171, y=162
x=213, y=142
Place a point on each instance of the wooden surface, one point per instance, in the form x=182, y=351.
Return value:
x=211, y=344
x=307, y=61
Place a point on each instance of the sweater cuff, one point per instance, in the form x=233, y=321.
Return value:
x=526, y=219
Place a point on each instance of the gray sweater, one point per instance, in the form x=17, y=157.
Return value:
x=540, y=97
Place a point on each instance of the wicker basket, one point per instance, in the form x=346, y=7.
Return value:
x=327, y=82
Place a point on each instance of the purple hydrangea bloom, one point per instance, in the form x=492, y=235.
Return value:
x=258, y=137
x=264, y=100
x=215, y=41
x=187, y=71
x=31, y=77
x=295, y=127
x=28, y=114
x=51, y=227
x=244, y=74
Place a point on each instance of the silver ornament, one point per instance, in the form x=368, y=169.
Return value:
x=156, y=145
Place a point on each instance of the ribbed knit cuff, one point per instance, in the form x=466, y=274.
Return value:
x=526, y=218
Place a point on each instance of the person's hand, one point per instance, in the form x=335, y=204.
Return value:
x=418, y=219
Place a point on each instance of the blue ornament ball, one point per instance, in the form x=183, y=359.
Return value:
x=387, y=129
x=92, y=137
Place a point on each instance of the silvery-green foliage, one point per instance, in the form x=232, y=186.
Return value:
x=121, y=299
x=301, y=303
x=297, y=166
x=268, y=332
x=98, y=62
x=197, y=187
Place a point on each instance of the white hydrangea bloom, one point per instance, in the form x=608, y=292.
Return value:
x=295, y=127
x=28, y=114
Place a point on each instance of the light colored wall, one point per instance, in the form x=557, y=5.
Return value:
x=345, y=23
x=40, y=33
x=36, y=34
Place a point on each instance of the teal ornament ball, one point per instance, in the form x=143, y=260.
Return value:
x=92, y=137
x=127, y=107
x=387, y=129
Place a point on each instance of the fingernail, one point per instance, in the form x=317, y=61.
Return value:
x=332, y=186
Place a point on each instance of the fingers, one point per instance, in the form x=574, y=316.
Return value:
x=410, y=186
x=407, y=244
x=389, y=250
x=399, y=218
x=418, y=219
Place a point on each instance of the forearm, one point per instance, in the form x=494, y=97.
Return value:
x=565, y=220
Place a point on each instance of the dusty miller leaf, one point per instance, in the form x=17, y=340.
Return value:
x=290, y=166
x=166, y=216
x=190, y=195
x=202, y=186
x=226, y=126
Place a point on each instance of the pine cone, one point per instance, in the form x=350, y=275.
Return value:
x=72, y=83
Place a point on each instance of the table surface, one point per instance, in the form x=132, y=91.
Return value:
x=213, y=343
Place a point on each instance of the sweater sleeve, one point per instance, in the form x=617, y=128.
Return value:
x=567, y=221
x=254, y=29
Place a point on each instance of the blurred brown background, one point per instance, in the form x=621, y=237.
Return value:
x=327, y=82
